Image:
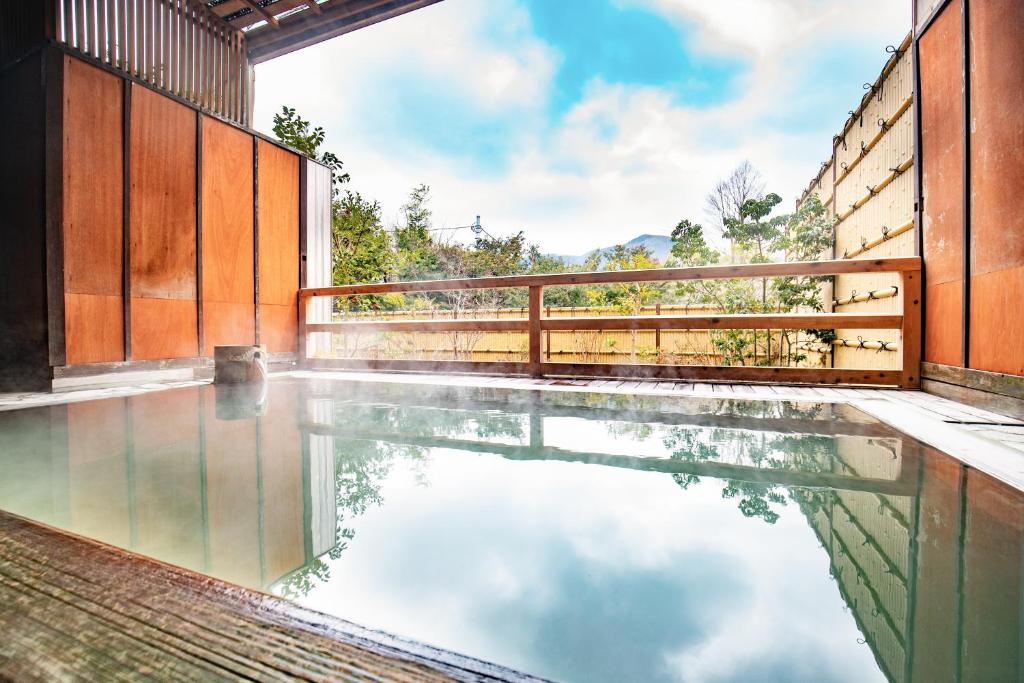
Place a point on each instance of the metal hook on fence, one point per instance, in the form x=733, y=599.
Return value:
x=863, y=242
x=871, y=191
x=885, y=233
x=863, y=149
x=860, y=341
x=883, y=124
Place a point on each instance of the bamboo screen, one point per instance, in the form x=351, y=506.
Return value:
x=177, y=46
x=868, y=189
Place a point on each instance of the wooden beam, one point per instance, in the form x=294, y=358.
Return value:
x=728, y=322
x=675, y=322
x=750, y=270
x=263, y=12
x=337, y=17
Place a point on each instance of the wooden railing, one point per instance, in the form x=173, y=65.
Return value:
x=178, y=46
x=908, y=322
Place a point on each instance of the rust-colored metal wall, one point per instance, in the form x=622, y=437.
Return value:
x=997, y=178
x=163, y=227
x=278, y=247
x=93, y=226
x=942, y=159
x=229, y=313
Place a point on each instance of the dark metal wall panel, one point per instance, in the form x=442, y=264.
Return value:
x=24, y=353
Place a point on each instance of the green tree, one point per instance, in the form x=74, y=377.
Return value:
x=295, y=131
x=416, y=257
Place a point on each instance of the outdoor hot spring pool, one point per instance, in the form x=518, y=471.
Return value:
x=575, y=536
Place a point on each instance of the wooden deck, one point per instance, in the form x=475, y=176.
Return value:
x=76, y=609
x=73, y=609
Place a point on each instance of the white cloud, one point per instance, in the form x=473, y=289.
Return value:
x=624, y=160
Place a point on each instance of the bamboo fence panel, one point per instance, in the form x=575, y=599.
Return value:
x=872, y=181
x=606, y=346
x=176, y=46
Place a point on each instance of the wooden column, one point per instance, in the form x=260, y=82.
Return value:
x=536, y=304
x=910, y=339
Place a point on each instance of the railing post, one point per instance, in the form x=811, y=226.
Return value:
x=303, y=341
x=910, y=337
x=536, y=304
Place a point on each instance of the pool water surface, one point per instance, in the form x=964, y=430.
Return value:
x=575, y=536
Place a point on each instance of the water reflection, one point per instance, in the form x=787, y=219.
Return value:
x=578, y=536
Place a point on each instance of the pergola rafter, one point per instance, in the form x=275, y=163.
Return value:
x=274, y=28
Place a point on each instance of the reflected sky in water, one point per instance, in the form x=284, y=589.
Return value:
x=575, y=536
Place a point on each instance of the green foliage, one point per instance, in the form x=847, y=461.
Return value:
x=690, y=247
x=753, y=231
x=360, y=247
x=295, y=131
x=630, y=297
x=415, y=258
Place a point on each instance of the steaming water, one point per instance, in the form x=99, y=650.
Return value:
x=576, y=536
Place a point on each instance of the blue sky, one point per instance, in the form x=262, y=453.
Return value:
x=585, y=122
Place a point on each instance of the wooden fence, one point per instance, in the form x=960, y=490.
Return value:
x=178, y=46
x=631, y=346
x=908, y=322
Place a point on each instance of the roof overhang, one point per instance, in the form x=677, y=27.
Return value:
x=274, y=28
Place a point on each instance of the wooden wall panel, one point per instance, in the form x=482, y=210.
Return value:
x=93, y=177
x=94, y=325
x=997, y=321
x=227, y=214
x=227, y=323
x=163, y=197
x=997, y=176
x=278, y=247
x=943, y=342
x=229, y=309
x=164, y=328
x=942, y=136
x=997, y=135
x=279, y=224
x=279, y=327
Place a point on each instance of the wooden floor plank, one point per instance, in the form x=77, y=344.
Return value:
x=104, y=614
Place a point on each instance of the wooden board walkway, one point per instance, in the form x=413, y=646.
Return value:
x=73, y=609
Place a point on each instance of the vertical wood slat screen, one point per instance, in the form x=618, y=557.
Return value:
x=177, y=46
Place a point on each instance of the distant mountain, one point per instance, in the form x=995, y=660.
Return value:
x=659, y=245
